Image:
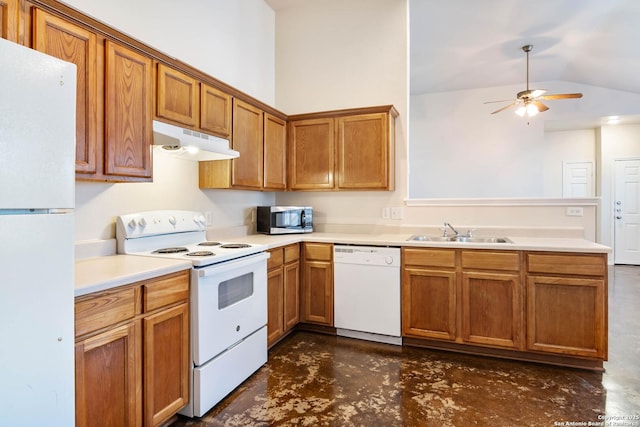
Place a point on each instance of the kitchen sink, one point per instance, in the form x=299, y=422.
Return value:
x=423, y=238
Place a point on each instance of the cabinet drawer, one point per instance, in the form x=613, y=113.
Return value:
x=166, y=290
x=483, y=260
x=276, y=258
x=580, y=265
x=108, y=308
x=318, y=251
x=429, y=257
x=291, y=253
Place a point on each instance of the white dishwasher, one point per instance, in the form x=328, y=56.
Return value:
x=367, y=292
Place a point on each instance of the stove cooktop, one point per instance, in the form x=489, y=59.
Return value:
x=176, y=235
x=203, y=253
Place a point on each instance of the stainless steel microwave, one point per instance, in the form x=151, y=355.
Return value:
x=285, y=219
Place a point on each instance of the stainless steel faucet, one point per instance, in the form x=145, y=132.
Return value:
x=446, y=224
x=457, y=233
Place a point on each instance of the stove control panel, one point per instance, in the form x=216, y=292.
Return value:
x=151, y=223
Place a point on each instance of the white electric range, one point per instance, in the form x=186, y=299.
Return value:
x=228, y=298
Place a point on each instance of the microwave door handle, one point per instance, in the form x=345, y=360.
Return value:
x=303, y=219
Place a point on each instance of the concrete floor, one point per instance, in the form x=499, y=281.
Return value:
x=318, y=380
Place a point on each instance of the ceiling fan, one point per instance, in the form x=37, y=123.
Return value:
x=530, y=100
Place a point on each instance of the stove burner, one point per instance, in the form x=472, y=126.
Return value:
x=209, y=244
x=200, y=253
x=235, y=246
x=170, y=250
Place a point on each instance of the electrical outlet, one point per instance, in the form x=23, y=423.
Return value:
x=208, y=217
x=386, y=213
x=397, y=213
x=253, y=216
x=575, y=211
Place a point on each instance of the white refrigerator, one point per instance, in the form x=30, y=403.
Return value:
x=37, y=197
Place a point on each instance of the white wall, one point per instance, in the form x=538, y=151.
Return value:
x=565, y=146
x=459, y=149
x=335, y=54
x=230, y=40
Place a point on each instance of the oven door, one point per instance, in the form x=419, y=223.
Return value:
x=229, y=302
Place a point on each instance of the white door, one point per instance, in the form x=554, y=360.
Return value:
x=577, y=179
x=626, y=213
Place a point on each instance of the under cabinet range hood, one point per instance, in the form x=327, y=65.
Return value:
x=187, y=144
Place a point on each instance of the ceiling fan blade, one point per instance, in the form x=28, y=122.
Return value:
x=505, y=107
x=504, y=100
x=561, y=96
x=541, y=107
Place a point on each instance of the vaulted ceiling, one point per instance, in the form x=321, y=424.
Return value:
x=467, y=44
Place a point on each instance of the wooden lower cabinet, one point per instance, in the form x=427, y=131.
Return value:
x=108, y=378
x=166, y=363
x=567, y=304
x=540, y=306
x=429, y=303
x=132, y=353
x=491, y=303
x=491, y=309
x=316, y=300
x=283, y=291
x=566, y=316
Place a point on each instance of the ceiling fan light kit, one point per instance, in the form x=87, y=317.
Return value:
x=529, y=101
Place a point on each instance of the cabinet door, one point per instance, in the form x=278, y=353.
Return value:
x=275, y=298
x=166, y=364
x=215, y=111
x=317, y=298
x=311, y=154
x=128, y=112
x=177, y=96
x=59, y=38
x=429, y=303
x=491, y=309
x=275, y=149
x=566, y=315
x=247, y=170
x=108, y=375
x=9, y=18
x=363, y=152
x=291, y=295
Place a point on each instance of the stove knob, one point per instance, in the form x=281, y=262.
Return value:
x=172, y=220
x=142, y=222
x=132, y=223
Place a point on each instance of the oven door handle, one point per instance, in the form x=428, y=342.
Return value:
x=233, y=264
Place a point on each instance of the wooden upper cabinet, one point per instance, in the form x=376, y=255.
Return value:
x=177, y=96
x=247, y=170
x=215, y=111
x=9, y=18
x=343, y=150
x=275, y=149
x=364, y=152
x=62, y=39
x=128, y=112
x=311, y=154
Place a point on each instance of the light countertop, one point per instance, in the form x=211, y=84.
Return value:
x=519, y=243
x=101, y=273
